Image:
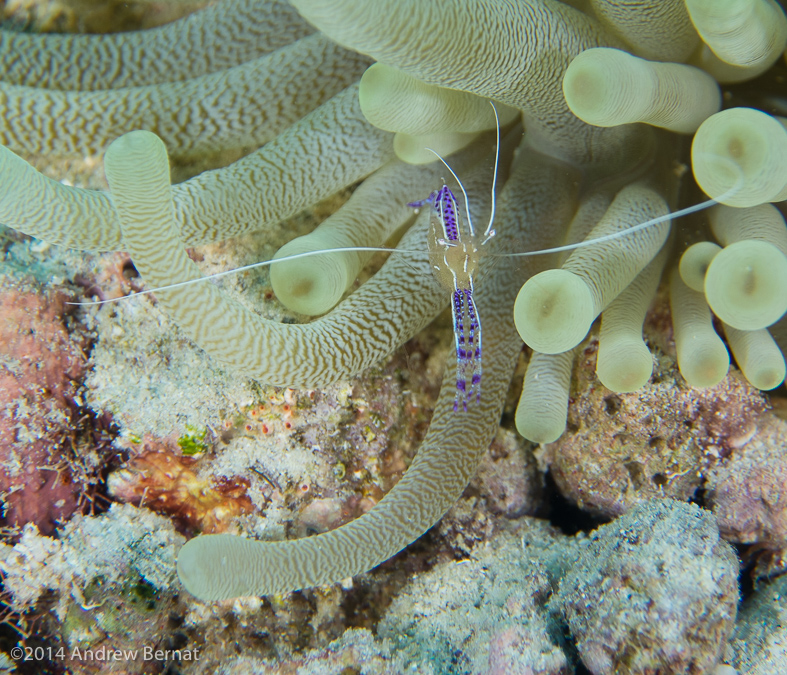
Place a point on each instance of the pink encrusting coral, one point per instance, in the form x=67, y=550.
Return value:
x=41, y=365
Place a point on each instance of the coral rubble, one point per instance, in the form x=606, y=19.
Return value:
x=655, y=591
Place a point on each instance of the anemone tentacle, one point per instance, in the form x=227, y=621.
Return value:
x=660, y=30
x=442, y=43
x=91, y=62
x=314, y=284
x=247, y=105
x=398, y=302
x=327, y=150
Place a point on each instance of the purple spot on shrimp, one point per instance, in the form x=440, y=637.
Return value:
x=445, y=209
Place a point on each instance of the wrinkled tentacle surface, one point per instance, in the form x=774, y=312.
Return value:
x=399, y=301
x=313, y=285
x=246, y=105
x=325, y=151
x=90, y=62
x=444, y=42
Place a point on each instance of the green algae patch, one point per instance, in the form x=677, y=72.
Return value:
x=193, y=442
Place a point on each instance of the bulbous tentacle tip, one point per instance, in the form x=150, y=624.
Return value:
x=694, y=264
x=625, y=365
x=610, y=87
x=204, y=567
x=746, y=284
x=131, y=146
x=315, y=284
x=739, y=157
x=553, y=311
x=191, y=574
x=543, y=407
x=189, y=571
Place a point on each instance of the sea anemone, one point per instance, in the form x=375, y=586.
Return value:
x=561, y=65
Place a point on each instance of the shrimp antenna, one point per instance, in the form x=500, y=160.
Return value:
x=246, y=268
x=614, y=235
x=464, y=192
x=489, y=232
x=642, y=226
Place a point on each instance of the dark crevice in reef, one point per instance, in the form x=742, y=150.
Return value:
x=698, y=498
x=566, y=515
x=579, y=669
x=760, y=564
x=747, y=577
x=561, y=635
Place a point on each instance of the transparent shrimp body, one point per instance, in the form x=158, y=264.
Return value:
x=454, y=252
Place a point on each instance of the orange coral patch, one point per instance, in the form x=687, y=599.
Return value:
x=167, y=483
